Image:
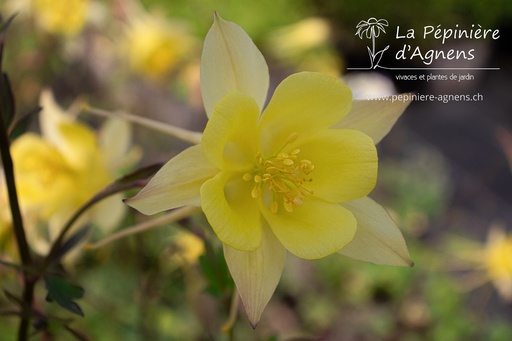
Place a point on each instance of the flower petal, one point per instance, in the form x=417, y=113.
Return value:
x=231, y=62
x=303, y=103
x=257, y=273
x=43, y=177
x=74, y=140
x=115, y=138
x=231, y=211
x=230, y=139
x=345, y=164
x=109, y=213
x=374, y=118
x=378, y=239
x=50, y=117
x=176, y=184
x=78, y=144
x=313, y=230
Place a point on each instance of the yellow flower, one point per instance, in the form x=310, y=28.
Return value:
x=5, y=214
x=8, y=250
x=65, y=17
x=154, y=46
x=489, y=262
x=187, y=249
x=59, y=170
x=498, y=261
x=306, y=45
x=292, y=177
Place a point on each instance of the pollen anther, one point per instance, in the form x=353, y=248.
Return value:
x=283, y=177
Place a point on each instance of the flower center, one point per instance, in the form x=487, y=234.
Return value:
x=284, y=176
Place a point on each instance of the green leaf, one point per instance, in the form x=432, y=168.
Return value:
x=64, y=293
x=216, y=272
x=20, y=126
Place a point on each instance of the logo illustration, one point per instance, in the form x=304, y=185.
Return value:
x=371, y=29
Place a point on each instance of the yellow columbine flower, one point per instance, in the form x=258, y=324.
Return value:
x=5, y=214
x=7, y=242
x=65, y=17
x=306, y=44
x=187, y=248
x=292, y=177
x=61, y=169
x=154, y=47
x=498, y=261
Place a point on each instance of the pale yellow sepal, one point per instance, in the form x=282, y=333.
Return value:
x=115, y=140
x=231, y=62
x=51, y=117
x=498, y=261
x=377, y=239
x=257, y=273
x=74, y=140
x=176, y=184
x=375, y=118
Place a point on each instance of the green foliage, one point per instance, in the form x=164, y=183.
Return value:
x=21, y=125
x=216, y=272
x=259, y=17
x=64, y=293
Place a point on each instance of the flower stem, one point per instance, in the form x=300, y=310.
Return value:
x=227, y=327
x=17, y=220
x=17, y=224
x=172, y=216
x=183, y=134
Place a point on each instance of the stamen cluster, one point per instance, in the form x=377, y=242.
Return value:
x=284, y=176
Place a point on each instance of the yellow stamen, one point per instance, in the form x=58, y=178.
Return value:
x=283, y=176
x=256, y=192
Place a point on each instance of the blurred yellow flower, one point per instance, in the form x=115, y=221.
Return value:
x=59, y=170
x=7, y=245
x=498, y=261
x=5, y=214
x=482, y=263
x=306, y=45
x=155, y=46
x=64, y=17
x=187, y=249
x=292, y=177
